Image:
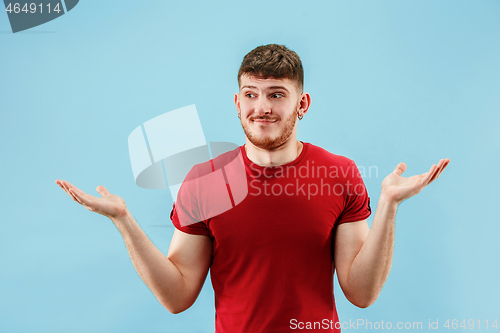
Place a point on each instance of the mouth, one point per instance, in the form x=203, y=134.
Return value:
x=264, y=121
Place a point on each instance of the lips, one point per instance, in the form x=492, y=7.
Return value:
x=265, y=121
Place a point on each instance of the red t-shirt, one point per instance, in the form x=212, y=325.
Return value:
x=272, y=263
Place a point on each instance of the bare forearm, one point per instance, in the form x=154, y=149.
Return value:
x=368, y=271
x=155, y=269
x=372, y=265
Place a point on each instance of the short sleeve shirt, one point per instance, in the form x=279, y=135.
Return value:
x=272, y=230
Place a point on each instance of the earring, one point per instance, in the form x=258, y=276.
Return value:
x=239, y=115
x=300, y=117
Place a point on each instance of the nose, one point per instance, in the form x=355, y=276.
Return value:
x=263, y=106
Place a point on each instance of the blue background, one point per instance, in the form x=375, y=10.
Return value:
x=391, y=81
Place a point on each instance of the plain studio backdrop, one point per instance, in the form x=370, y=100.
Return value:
x=391, y=81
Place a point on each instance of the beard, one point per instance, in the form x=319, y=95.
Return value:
x=266, y=141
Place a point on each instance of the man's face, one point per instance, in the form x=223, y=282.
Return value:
x=268, y=109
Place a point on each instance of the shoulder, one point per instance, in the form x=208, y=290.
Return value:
x=340, y=168
x=204, y=168
x=317, y=152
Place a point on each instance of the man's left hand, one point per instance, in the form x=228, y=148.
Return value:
x=396, y=188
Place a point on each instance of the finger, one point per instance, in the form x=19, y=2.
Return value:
x=68, y=185
x=439, y=167
x=400, y=168
x=66, y=188
x=80, y=196
x=443, y=166
x=102, y=190
x=446, y=163
x=58, y=182
x=74, y=189
x=77, y=190
x=75, y=196
x=428, y=175
x=440, y=170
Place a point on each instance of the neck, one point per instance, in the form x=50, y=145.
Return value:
x=283, y=154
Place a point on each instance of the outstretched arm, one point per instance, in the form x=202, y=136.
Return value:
x=363, y=256
x=176, y=279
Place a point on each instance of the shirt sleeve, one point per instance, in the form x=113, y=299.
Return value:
x=186, y=215
x=198, y=228
x=357, y=202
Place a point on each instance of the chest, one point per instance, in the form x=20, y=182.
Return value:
x=281, y=216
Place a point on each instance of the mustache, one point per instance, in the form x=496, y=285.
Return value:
x=265, y=118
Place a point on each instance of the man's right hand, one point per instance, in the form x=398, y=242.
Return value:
x=177, y=279
x=109, y=205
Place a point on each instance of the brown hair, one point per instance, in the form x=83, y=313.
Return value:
x=273, y=61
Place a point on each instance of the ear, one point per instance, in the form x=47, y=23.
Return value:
x=237, y=101
x=304, y=103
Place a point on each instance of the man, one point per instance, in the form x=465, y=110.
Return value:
x=272, y=255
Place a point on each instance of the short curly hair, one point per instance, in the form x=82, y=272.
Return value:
x=273, y=61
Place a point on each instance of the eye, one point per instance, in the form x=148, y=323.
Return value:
x=277, y=95
x=249, y=95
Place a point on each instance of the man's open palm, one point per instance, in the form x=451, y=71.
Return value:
x=109, y=205
x=397, y=188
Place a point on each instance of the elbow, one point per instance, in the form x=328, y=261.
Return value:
x=363, y=301
x=175, y=311
x=363, y=304
x=176, y=308
x=178, y=303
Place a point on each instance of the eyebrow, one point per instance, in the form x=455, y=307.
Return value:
x=270, y=88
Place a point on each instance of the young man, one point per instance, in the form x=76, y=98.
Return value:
x=272, y=254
